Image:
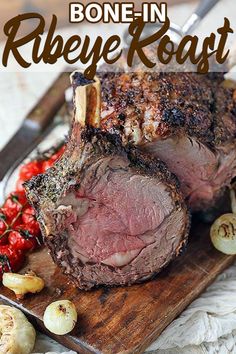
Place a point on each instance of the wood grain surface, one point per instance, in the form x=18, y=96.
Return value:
x=128, y=319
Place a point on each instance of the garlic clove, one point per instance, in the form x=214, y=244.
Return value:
x=60, y=317
x=23, y=284
x=223, y=234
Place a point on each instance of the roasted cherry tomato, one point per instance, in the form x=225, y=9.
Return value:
x=31, y=169
x=4, y=239
x=19, y=229
x=47, y=164
x=58, y=154
x=17, y=221
x=22, y=240
x=3, y=221
x=28, y=215
x=29, y=219
x=50, y=162
x=11, y=260
x=6, y=224
x=19, y=185
x=14, y=204
x=3, y=228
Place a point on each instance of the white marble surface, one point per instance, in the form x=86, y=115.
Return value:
x=209, y=324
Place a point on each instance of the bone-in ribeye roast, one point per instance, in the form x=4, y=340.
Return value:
x=186, y=119
x=109, y=214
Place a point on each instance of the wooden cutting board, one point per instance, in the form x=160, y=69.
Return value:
x=125, y=320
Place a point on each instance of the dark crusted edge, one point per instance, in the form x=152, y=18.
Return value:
x=112, y=144
x=173, y=112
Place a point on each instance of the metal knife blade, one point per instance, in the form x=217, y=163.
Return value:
x=34, y=125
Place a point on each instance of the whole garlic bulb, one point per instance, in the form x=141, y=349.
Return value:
x=60, y=317
x=223, y=234
x=17, y=335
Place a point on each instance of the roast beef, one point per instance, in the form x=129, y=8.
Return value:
x=186, y=119
x=109, y=213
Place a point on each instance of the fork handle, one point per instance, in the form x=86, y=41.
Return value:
x=202, y=10
x=204, y=7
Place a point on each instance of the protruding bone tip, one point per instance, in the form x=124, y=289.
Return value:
x=80, y=80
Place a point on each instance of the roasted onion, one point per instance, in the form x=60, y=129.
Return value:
x=223, y=234
x=60, y=317
x=22, y=284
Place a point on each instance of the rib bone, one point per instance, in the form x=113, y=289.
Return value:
x=87, y=100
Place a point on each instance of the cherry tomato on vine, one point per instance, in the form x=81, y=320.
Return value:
x=28, y=215
x=30, y=169
x=16, y=222
x=19, y=229
x=3, y=221
x=11, y=260
x=19, y=185
x=4, y=239
x=14, y=204
x=6, y=225
x=23, y=240
x=29, y=219
x=58, y=154
x=47, y=164
x=50, y=162
x=3, y=233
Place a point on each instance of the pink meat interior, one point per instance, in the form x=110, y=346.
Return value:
x=116, y=212
x=201, y=172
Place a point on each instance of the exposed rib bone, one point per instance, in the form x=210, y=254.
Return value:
x=87, y=99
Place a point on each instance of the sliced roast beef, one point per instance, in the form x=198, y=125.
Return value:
x=109, y=214
x=186, y=119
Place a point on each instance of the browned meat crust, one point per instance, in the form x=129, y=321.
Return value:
x=145, y=106
x=47, y=185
